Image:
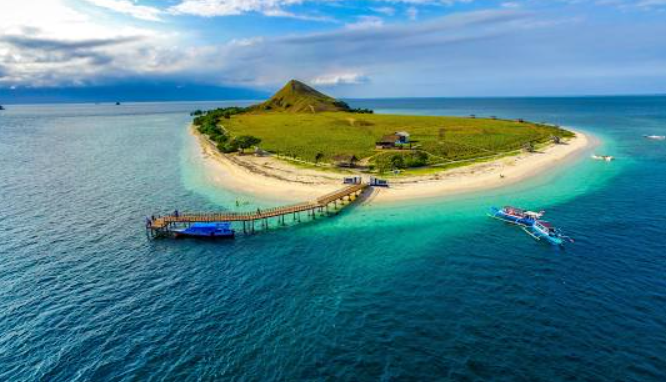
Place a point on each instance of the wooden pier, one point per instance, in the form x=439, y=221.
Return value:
x=163, y=225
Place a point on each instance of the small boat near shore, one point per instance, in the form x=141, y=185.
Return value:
x=206, y=230
x=515, y=215
x=606, y=158
x=655, y=137
x=530, y=222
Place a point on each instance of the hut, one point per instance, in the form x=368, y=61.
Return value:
x=345, y=160
x=388, y=141
x=404, y=136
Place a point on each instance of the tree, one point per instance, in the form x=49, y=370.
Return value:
x=318, y=157
x=397, y=161
x=390, y=162
x=246, y=141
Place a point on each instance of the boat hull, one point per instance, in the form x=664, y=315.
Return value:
x=180, y=234
x=206, y=231
x=540, y=235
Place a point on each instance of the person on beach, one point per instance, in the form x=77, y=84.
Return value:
x=175, y=213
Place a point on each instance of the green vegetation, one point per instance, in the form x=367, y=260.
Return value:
x=208, y=123
x=304, y=124
x=329, y=134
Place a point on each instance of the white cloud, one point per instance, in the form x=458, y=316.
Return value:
x=62, y=45
x=129, y=8
x=345, y=78
x=388, y=11
x=366, y=22
x=210, y=8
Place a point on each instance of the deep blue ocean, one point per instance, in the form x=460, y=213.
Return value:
x=428, y=290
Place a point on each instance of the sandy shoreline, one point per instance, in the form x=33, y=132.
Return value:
x=272, y=179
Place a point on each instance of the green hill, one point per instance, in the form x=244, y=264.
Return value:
x=297, y=97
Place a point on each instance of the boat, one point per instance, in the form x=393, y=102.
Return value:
x=515, y=215
x=206, y=230
x=607, y=158
x=542, y=230
x=655, y=137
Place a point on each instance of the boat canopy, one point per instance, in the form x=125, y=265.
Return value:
x=514, y=210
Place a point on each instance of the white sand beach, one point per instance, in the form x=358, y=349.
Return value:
x=271, y=178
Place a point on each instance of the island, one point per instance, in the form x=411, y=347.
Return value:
x=301, y=142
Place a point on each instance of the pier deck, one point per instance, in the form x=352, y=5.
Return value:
x=162, y=225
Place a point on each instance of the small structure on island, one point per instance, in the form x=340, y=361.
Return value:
x=345, y=160
x=404, y=136
x=392, y=141
x=376, y=182
x=387, y=142
x=353, y=180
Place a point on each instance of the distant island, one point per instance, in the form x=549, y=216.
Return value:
x=303, y=136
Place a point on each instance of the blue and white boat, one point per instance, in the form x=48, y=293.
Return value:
x=515, y=215
x=206, y=230
x=542, y=230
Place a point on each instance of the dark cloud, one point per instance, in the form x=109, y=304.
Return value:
x=45, y=44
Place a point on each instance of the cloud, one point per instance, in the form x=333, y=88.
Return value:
x=366, y=22
x=334, y=79
x=280, y=8
x=129, y=8
x=211, y=8
x=60, y=45
x=489, y=52
x=47, y=44
x=388, y=11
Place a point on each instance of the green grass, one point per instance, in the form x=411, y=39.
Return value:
x=303, y=135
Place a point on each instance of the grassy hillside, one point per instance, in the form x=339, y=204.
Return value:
x=297, y=97
x=305, y=135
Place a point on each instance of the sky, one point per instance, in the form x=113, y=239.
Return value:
x=372, y=48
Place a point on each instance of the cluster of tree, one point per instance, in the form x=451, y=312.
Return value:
x=227, y=144
x=396, y=161
x=361, y=111
x=212, y=117
x=207, y=123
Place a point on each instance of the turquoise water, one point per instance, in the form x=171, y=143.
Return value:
x=430, y=290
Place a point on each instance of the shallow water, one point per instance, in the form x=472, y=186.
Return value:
x=427, y=290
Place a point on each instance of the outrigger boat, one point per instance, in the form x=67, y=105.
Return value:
x=515, y=215
x=206, y=230
x=530, y=222
x=542, y=230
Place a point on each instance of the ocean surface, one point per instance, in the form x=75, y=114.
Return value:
x=425, y=290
